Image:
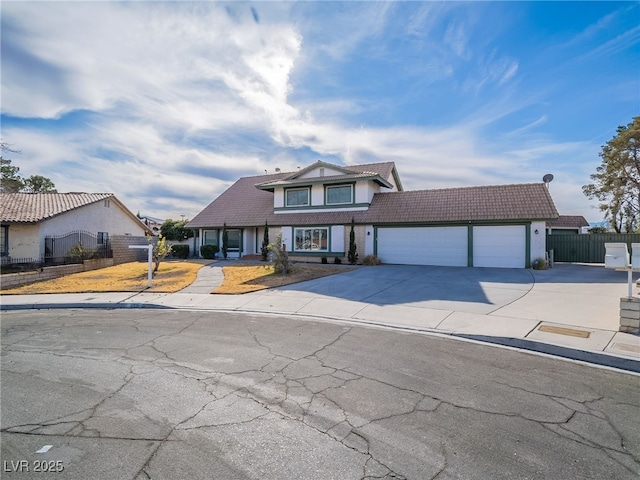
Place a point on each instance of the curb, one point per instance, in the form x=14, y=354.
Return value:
x=595, y=358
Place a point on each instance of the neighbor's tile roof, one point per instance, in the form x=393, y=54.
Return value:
x=568, y=221
x=243, y=205
x=35, y=207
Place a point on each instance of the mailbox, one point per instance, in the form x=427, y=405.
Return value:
x=635, y=256
x=617, y=255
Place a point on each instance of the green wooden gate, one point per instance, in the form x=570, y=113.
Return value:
x=588, y=248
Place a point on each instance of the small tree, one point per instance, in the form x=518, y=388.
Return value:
x=11, y=181
x=160, y=250
x=280, y=258
x=39, y=184
x=616, y=183
x=175, y=230
x=265, y=243
x=225, y=240
x=352, y=256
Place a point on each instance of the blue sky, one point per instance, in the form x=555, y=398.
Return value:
x=166, y=104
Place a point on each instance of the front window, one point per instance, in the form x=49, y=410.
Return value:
x=311, y=239
x=4, y=240
x=339, y=195
x=297, y=197
x=210, y=237
x=233, y=239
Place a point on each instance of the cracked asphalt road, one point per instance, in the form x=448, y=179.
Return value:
x=139, y=394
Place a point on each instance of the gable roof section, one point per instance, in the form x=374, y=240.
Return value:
x=568, y=221
x=530, y=201
x=378, y=172
x=30, y=208
x=317, y=164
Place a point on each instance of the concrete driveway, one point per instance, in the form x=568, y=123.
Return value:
x=572, y=294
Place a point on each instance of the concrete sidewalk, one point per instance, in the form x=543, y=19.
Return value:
x=570, y=310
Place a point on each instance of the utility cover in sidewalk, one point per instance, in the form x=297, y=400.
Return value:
x=626, y=347
x=564, y=331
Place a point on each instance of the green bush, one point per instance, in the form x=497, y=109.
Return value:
x=180, y=251
x=209, y=251
x=539, y=264
x=323, y=259
x=337, y=260
x=79, y=253
x=371, y=260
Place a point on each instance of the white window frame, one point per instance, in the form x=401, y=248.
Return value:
x=329, y=187
x=286, y=197
x=295, y=236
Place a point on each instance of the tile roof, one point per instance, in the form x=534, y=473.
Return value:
x=243, y=205
x=35, y=207
x=379, y=171
x=529, y=201
x=568, y=221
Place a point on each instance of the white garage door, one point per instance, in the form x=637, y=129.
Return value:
x=444, y=246
x=503, y=246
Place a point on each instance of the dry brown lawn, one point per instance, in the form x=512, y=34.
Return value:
x=251, y=278
x=172, y=276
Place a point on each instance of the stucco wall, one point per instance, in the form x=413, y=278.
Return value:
x=103, y=216
x=538, y=240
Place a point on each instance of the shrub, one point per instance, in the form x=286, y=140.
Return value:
x=337, y=260
x=539, y=264
x=352, y=256
x=180, y=251
x=79, y=253
x=279, y=257
x=265, y=243
x=209, y=251
x=323, y=259
x=371, y=260
x=225, y=240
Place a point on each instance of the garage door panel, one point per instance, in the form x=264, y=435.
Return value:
x=499, y=246
x=441, y=246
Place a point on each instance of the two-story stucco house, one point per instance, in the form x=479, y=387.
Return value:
x=492, y=226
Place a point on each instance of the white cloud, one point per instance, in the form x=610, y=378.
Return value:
x=179, y=92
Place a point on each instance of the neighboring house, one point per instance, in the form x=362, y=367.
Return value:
x=567, y=225
x=153, y=223
x=493, y=226
x=26, y=219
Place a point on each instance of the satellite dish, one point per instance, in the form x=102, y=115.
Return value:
x=277, y=170
x=547, y=178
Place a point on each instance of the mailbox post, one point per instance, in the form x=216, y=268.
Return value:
x=617, y=257
x=150, y=249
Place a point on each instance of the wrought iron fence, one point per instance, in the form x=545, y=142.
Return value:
x=74, y=247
